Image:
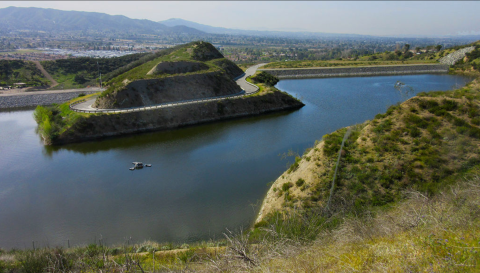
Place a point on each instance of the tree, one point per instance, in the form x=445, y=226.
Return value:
x=406, y=47
x=438, y=47
x=80, y=79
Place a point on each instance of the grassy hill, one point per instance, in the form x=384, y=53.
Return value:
x=190, y=71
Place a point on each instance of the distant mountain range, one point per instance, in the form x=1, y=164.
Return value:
x=52, y=20
x=173, y=22
x=39, y=19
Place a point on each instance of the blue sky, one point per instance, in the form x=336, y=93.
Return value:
x=392, y=18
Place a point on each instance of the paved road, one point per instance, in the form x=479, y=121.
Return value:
x=242, y=82
x=247, y=87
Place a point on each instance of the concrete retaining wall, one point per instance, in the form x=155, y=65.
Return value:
x=357, y=71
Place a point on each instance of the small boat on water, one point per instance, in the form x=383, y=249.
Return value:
x=138, y=165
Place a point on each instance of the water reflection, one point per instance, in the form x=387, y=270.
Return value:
x=204, y=134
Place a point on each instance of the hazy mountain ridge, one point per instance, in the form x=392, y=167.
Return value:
x=39, y=19
x=221, y=30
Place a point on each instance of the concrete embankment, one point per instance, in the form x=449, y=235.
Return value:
x=320, y=72
x=25, y=100
x=106, y=125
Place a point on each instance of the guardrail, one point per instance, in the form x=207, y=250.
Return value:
x=168, y=104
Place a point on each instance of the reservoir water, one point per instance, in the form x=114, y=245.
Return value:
x=203, y=179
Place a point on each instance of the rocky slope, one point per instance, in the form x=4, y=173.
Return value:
x=170, y=89
x=454, y=57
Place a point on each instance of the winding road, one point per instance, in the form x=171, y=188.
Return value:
x=248, y=89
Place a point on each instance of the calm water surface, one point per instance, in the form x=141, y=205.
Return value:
x=204, y=178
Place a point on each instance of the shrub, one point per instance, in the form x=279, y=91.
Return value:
x=427, y=104
x=449, y=105
x=266, y=78
x=476, y=120
x=385, y=125
x=287, y=186
x=300, y=182
x=294, y=166
x=332, y=142
x=412, y=119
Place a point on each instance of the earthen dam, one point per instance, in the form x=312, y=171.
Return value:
x=325, y=72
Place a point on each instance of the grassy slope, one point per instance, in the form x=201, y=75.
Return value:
x=413, y=145
x=420, y=234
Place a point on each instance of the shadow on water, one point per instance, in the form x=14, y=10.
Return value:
x=17, y=109
x=203, y=134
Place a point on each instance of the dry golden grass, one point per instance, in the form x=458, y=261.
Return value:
x=439, y=234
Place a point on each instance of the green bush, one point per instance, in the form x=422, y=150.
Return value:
x=264, y=77
x=449, y=105
x=294, y=166
x=384, y=126
x=286, y=186
x=476, y=120
x=300, y=182
x=412, y=119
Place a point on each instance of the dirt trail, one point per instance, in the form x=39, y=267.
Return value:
x=45, y=73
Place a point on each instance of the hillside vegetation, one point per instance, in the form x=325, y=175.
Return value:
x=406, y=55
x=21, y=71
x=84, y=71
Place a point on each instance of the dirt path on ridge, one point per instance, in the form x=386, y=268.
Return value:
x=45, y=73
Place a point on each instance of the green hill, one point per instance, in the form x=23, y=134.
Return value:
x=191, y=71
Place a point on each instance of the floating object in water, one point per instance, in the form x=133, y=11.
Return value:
x=132, y=168
x=148, y=165
x=138, y=165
